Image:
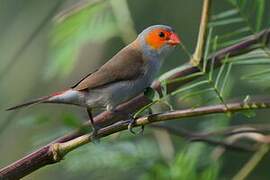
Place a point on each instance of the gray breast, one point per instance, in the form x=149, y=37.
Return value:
x=116, y=93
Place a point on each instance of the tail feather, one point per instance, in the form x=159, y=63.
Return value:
x=64, y=97
x=35, y=101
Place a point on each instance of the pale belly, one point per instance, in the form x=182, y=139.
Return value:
x=112, y=95
x=117, y=93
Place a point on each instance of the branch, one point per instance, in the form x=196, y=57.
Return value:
x=55, y=152
x=209, y=137
x=249, y=133
x=197, y=56
x=252, y=163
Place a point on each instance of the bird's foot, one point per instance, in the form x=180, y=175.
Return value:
x=131, y=124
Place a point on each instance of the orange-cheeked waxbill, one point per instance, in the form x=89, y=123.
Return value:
x=124, y=76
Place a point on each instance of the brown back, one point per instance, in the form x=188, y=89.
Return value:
x=127, y=64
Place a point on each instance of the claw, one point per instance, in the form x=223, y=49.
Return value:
x=132, y=124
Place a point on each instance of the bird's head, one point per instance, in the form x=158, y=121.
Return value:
x=158, y=41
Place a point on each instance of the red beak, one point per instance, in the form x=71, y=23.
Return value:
x=174, y=39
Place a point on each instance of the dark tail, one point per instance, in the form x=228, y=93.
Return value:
x=35, y=101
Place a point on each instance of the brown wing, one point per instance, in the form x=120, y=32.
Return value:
x=125, y=65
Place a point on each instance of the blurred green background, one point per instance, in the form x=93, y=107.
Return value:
x=66, y=43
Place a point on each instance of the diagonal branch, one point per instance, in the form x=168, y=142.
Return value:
x=55, y=152
x=252, y=163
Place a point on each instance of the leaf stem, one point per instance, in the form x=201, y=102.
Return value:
x=198, y=54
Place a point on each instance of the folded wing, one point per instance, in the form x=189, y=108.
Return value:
x=125, y=65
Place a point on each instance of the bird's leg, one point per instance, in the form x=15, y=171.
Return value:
x=94, y=128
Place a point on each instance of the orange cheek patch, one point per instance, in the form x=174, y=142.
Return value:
x=153, y=39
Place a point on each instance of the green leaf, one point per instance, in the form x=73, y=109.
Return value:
x=257, y=75
x=190, y=87
x=249, y=113
x=260, y=14
x=236, y=33
x=197, y=93
x=225, y=14
x=151, y=94
x=164, y=88
x=252, y=12
x=225, y=22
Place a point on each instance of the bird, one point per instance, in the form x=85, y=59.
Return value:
x=127, y=74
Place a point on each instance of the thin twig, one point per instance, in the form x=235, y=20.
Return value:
x=197, y=56
x=252, y=163
x=208, y=137
x=253, y=135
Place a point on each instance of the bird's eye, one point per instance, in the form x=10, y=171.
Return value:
x=161, y=34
